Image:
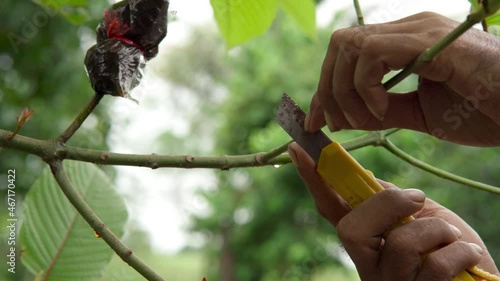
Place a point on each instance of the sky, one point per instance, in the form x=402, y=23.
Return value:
x=161, y=200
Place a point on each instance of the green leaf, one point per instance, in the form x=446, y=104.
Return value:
x=241, y=20
x=55, y=239
x=304, y=13
x=474, y=5
x=75, y=11
x=76, y=15
x=493, y=20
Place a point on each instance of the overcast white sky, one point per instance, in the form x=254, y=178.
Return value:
x=161, y=200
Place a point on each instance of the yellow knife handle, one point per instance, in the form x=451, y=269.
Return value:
x=355, y=184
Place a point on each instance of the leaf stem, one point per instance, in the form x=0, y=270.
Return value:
x=359, y=13
x=98, y=225
x=75, y=125
x=430, y=53
x=436, y=171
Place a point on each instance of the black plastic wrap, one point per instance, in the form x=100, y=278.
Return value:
x=128, y=35
x=114, y=67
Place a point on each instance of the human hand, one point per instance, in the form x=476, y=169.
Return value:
x=458, y=97
x=437, y=234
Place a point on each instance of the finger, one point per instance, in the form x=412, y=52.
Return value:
x=324, y=92
x=344, y=92
x=404, y=111
x=328, y=203
x=315, y=118
x=379, y=54
x=433, y=209
x=416, y=18
x=405, y=245
x=449, y=261
x=362, y=229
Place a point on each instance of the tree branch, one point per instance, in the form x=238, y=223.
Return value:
x=75, y=125
x=50, y=149
x=430, y=53
x=436, y=171
x=98, y=225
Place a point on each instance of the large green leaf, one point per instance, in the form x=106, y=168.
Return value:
x=55, y=239
x=304, y=12
x=241, y=20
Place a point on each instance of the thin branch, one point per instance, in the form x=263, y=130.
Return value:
x=430, y=53
x=273, y=153
x=99, y=227
x=47, y=150
x=436, y=171
x=75, y=125
x=390, y=132
x=359, y=13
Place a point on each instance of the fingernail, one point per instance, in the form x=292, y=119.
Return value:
x=456, y=230
x=351, y=120
x=293, y=155
x=376, y=112
x=416, y=195
x=476, y=247
x=330, y=123
x=307, y=121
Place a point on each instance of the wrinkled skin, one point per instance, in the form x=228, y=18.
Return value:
x=458, y=96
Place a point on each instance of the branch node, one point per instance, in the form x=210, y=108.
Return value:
x=60, y=152
x=189, y=159
x=260, y=158
x=153, y=161
x=104, y=156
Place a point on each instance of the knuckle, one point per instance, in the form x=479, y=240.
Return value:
x=344, y=231
x=338, y=36
x=438, y=268
x=391, y=195
x=398, y=240
x=320, y=211
x=428, y=14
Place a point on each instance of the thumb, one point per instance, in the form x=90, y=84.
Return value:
x=328, y=203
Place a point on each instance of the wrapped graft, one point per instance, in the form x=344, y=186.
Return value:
x=127, y=37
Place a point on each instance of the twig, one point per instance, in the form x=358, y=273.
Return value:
x=75, y=125
x=99, y=227
x=359, y=13
x=273, y=153
x=436, y=171
x=390, y=132
x=430, y=53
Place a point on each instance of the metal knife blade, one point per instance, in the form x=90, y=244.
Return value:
x=291, y=118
